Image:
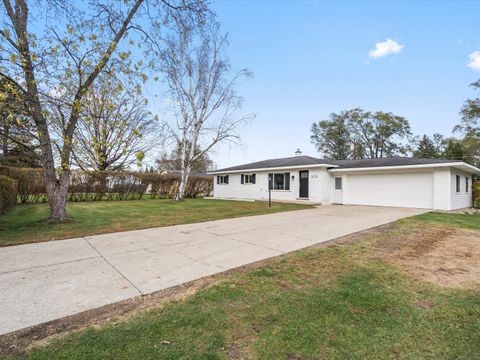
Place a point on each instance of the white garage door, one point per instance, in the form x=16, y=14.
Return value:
x=403, y=190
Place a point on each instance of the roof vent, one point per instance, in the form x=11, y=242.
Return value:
x=298, y=153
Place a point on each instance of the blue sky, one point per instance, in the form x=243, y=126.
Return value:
x=311, y=58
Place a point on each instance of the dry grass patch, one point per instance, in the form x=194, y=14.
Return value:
x=446, y=256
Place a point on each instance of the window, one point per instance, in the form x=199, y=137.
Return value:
x=222, y=179
x=457, y=183
x=248, y=179
x=338, y=183
x=279, y=181
x=467, y=184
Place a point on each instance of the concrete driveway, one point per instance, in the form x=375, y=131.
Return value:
x=46, y=281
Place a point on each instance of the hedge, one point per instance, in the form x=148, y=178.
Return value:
x=8, y=193
x=107, y=185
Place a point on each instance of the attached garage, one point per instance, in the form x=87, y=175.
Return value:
x=438, y=184
x=390, y=189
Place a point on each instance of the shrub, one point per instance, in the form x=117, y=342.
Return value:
x=108, y=185
x=8, y=193
x=30, y=183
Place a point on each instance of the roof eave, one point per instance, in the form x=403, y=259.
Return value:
x=226, y=171
x=462, y=165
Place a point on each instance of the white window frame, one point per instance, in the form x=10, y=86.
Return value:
x=467, y=184
x=285, y=176
x=340, y=182
x=222, y=180
x=458, y=186
x=248, y=179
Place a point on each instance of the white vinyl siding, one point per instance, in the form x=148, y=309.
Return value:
x=433, y=188
x=319, y=187
x=441, y=189
x=461, y=199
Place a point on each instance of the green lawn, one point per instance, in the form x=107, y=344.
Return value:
x=468, y=221
x=27, y=223
x=338, y=302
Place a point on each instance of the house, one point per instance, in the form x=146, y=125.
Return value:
x=398, y=181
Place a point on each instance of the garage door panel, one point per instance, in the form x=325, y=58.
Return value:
x=403, y=190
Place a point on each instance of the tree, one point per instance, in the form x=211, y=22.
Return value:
x=380, y=134
x=426, y=148
x=358, y=134
x=173, y=161
x=53, y=63
x=332, y=138
x=469, y=127
x=18, y=144
x=453, y=149
x=115, y=130
x=201, y=88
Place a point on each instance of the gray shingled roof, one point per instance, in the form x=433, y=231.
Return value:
x=274, y=163
x=392, y=161
x=340, y=164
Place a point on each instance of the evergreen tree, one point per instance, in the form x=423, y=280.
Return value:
x=426, y=148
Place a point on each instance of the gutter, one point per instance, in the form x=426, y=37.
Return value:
x=226, y=171
x=460, y=164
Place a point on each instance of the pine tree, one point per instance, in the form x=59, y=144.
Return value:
x=426, y=148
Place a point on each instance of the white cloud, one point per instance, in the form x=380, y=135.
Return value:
x=385, y=48
x=474, y=63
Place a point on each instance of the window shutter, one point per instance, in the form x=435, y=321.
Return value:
x=270, y=181
x=242, y=179
x=287, y=181
x=253, y=178
x=226, y=179
x=218, y=179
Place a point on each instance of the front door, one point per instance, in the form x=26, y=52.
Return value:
x=303, y=184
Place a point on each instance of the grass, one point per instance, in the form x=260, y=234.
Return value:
x=27, y=223
x=468, y=221
x=339, y=302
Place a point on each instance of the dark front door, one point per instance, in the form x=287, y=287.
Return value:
x=303, y=184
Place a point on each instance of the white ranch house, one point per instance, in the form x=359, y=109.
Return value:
x=400, y=181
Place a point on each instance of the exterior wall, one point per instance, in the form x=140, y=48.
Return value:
x=462, y=199
x=441, y=189
x=319, y=184
x=430, y=189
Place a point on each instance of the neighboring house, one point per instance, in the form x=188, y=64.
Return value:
x=400, y=181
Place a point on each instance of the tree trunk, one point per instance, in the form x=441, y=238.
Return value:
x=6, y=130
x=57, y=195
x=183, y=183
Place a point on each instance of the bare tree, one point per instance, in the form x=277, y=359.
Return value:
x=115, y=129
x=202, y=91
x=53, y=52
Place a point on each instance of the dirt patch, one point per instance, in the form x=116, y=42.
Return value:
x=448, y=257
x=424, y=304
